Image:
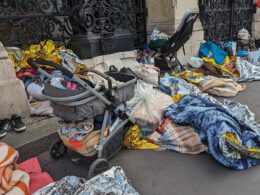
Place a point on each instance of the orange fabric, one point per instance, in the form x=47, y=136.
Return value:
x=12, y=180
x=10, y=153
x=24, y=187
x=258, y=3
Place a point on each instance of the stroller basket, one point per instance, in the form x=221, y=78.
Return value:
x=78, y=105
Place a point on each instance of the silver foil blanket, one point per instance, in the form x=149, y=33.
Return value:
x=243, y=114
x=112, y=182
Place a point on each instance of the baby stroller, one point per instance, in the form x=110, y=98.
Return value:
x=76, y=105
x=169, y=50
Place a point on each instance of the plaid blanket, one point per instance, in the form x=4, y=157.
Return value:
x=182, y=139
x=12, y=180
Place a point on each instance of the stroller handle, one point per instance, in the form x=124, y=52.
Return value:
x=35, y=62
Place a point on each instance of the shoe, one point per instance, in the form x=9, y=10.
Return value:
x=5, y=126
x=17, y=123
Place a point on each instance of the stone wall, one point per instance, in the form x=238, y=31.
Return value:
x=161, y=14
x=192, y=46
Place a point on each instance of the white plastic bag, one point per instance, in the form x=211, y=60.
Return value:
x=196, y=62
x=243, y=34
x=148, y=105
x=158, y=35
x=254, y=57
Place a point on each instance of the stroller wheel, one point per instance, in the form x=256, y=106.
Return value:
x=58, y=150
x=98, y=166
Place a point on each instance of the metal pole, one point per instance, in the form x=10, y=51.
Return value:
x=231, y=19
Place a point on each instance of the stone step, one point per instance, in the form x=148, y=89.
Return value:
x=39, y=135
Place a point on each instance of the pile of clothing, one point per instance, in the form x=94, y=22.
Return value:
x=34, y=81
x=175, y=112
x=224, y=60
x=184, y=116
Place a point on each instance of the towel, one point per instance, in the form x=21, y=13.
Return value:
x=12, y=180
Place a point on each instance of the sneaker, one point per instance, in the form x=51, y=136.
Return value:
x=17, y=123
x=5, y=126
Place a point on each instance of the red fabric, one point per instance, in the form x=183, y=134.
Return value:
x=258, y=3
x=38, y=179
x=28, y=72
x=164, y=123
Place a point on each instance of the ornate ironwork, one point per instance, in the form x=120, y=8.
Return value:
x=222, y=19
x=29, y=21
x=107, y=15
x=138, y=21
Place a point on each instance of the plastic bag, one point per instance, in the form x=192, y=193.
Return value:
x=243, y=34
x=148, y=105
x=254, y=57
x=158, y=35
x=150, y=74
x=196, y=62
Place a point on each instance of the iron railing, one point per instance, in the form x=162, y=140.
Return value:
x=222, y=19
x=29, y=21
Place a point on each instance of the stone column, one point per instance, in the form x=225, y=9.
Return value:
x=256, y=25
x=13, y=98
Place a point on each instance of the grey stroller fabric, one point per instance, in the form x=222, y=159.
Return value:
x=78, y=105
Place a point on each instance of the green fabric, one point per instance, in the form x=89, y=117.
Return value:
x=157, y=44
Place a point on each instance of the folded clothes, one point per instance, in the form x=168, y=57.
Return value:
x=215, y=122
x=41, y=108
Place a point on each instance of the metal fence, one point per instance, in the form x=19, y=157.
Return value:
x=28, y=21
x=222, y=19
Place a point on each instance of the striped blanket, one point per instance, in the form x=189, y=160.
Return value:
x=181, y=139
x=12, y=180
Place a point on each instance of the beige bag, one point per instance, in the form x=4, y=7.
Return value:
x=150, y=74
x=222, y=87
x=85, y=146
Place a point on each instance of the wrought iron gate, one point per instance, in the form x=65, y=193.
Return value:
x=28, y=21
x=222, y=19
